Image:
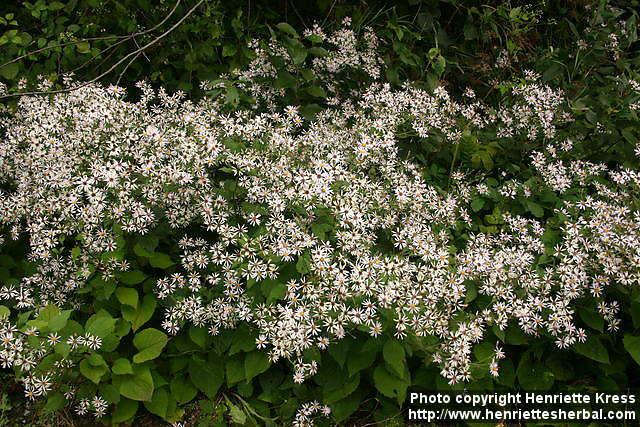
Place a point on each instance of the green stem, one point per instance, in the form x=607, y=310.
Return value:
x=453, y=161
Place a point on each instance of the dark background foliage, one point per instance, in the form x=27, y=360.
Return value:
x=217, y=381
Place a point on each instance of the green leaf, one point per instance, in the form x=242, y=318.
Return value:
x=309, y=111
x=335, y=395
x=48, y=313
x=110, y=393
x=136, y=386
x=535, y=209
x=591, y=317
x=182, y=389
x=635, y=313
x=553, y=71
x=532, y=375
x=58, y=322
x=83, y=47
x=255, y=363
x=125, y=410
x=132, y=277
x=483, y=351
x=237, y=416
x=55, y=402
x=56, y=5
x=513, y=335
x=160, y=260
x=314, y=38
x=10, y=71
x=272, y=289
x=206, y=376
x=561, y=366
x=439, y=65
x=298, y=54
x=63, y=349
x=632, y=345
x=101, y=324
x=159, y=402
x=393, y=354
x=243, y=340
x=198, y=335
x=318, y=92
x=142, y=314
x=233, y=96
x=389, y=385
x=285, y=80
x=342, y=409
x=321, y=230
x=477, y=204
x=286, y=28
x=96, y=360
x=127, y=296
x=122, y=366
x=340, y=350
x=102, y=288
x=229, y=50
x=469, y=30
x=94, y=373
x=304, y=263
x=318, y=51
x=146, y=245
x=472, y=293
x=75, y=252
x=234, y=369
x=363, y=358
x=150, y=343
x=307, y=74
x=593, y=349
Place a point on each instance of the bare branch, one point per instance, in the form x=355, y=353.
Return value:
x=133, y=54
x=126, y=67
x=121, y=39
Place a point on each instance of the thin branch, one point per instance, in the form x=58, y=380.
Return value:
x=33, y=52
x=143, y=54
x=122, y=38
x=333, y=3
x=126, y=67
x=114, y=66
x=295, y=9
x=95, y=57
x=104, y=60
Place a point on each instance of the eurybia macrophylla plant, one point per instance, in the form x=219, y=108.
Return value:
x=309, y=228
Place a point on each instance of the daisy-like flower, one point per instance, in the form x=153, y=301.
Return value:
x=53, y=338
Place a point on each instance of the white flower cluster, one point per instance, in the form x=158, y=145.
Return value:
x=97, y=405
x=304, y=415
x=307, y=229
x=24, y=349
x=330, y=67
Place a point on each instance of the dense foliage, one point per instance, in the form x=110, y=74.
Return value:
x=286, y=213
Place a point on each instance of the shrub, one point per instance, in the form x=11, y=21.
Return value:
x=297, y=232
